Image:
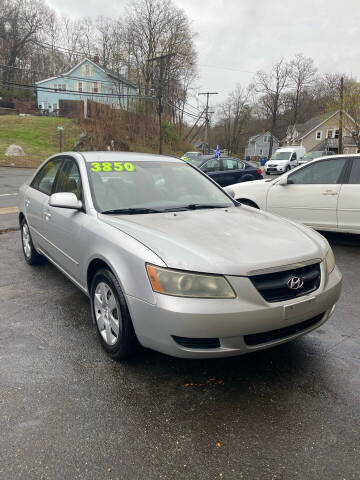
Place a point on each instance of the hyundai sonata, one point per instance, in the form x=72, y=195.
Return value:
x=169, y=260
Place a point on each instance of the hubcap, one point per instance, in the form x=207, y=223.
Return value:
x=107, y=313
x=26, y=240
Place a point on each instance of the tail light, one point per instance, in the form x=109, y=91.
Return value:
x=259, y=171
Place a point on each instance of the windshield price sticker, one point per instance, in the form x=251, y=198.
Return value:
x=112, y=167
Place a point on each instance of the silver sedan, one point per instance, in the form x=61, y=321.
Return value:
x=170, y=261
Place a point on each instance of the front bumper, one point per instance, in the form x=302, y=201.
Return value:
x=228, y=320
x=275, y=169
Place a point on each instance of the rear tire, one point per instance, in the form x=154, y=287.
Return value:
x=32, y=257
x=111, y=316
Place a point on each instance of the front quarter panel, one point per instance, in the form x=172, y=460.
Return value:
x=255, y=191
x=123, y=254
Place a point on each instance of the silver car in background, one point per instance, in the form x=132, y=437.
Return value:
x=170, y=261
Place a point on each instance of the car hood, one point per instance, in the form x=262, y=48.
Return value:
x=232, y=242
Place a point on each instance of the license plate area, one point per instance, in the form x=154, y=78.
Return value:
x=296, y=310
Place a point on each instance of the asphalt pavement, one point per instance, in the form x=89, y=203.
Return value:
x=67, y=411
x=10, y=181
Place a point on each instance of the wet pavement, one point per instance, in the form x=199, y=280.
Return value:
x=10, y=181
x=67, y=411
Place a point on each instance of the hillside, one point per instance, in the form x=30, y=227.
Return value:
x=38, y=137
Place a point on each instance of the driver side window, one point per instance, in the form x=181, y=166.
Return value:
x=45, y=178
x=69, y=179
x=319, y=173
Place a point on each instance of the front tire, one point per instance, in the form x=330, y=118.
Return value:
x=32, y=257
x=111, y=316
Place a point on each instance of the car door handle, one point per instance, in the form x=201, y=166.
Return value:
x=47, y=215
x=330, y=192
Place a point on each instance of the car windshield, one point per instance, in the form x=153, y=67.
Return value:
x=280, y=156
x=151, y=187
x=312, y=155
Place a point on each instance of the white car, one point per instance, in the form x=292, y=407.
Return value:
x=284, y=159
x=323, y=194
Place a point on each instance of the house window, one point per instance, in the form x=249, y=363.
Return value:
x=336, y=134
x=318, y=135
x=261, y=151
x=87, y=69
x=95, y=87
x=266, y=139
x=80, y=87
x=330, y=134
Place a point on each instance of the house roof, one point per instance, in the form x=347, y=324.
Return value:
x=254, y=137
x=108, y=72
x=303, y=128
x=315, y=122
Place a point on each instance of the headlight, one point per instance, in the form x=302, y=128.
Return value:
x=183, y=284
x=330, y=261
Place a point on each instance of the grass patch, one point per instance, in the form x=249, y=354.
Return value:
x=37, y=136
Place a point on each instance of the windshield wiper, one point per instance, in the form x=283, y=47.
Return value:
x=196, y=206
x=131, y=211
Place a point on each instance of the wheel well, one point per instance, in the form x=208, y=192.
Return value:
x=245, y=201
x=95, y=265
x=21, y=217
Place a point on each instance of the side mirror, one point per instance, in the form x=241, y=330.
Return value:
x=230, y=192
x=283, y=180
x=65, y=200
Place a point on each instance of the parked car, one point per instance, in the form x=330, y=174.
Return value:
x=312, y=155
x=169, y=260
x=284, y=159
x=227, y=170
x=324, y=194
x=189, y=155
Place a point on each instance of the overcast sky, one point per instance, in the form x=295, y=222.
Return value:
x=235, y=37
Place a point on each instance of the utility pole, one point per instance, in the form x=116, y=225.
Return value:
x=340, y=150
x=160, y=59
x=206, y=139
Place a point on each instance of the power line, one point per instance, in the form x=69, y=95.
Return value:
x=64, y=49
x=52, y=75
x=219, y=67
x=73, y=92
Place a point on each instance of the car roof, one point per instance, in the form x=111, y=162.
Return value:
x=127, y=157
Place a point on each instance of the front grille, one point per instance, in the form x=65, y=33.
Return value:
x=272, y=335
x=197, y=342
x=274, y=286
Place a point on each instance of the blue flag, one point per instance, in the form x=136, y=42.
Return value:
x=217, y=151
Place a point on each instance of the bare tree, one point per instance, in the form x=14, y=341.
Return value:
x=272, y=86
x=302, y=75
x=21, y=24
x=234, y=118
x=154, y=27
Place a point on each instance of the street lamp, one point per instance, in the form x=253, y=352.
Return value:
x=61, y=129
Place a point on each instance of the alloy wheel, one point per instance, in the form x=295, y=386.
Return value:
x=107, y=313
x=26, y=240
